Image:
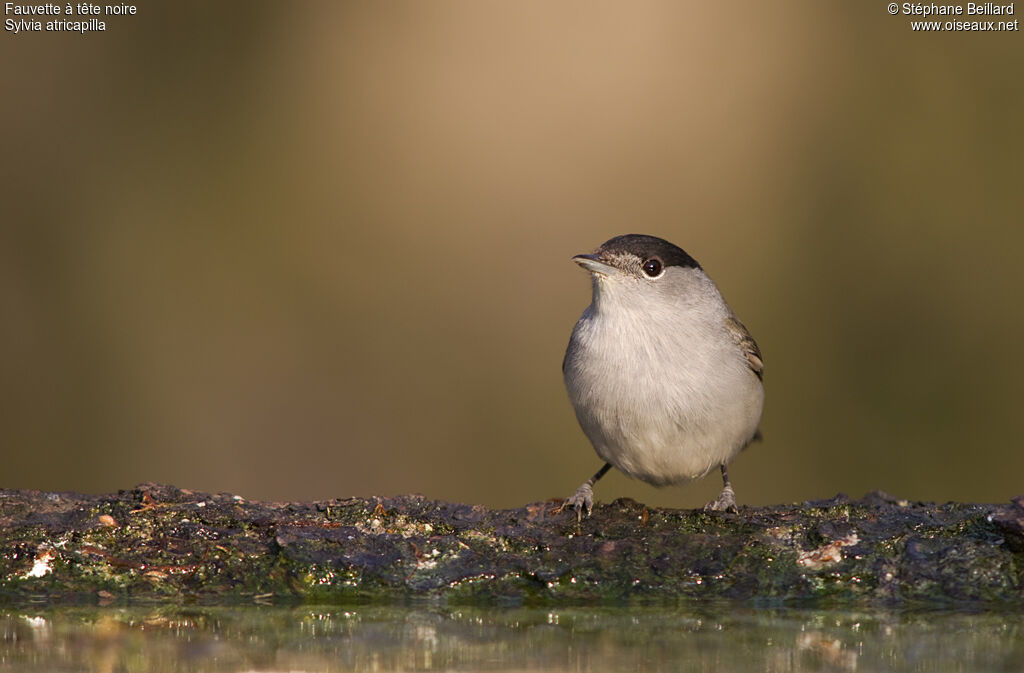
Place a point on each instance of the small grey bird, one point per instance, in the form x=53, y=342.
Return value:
x=665, y=380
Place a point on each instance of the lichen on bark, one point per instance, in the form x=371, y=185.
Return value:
x=161, y=543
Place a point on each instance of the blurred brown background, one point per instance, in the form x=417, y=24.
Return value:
x=318, y=249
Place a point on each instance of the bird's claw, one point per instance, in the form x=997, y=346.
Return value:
x=582, y=499
x=725, y=502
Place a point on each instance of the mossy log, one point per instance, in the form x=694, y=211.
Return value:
x=161, y=543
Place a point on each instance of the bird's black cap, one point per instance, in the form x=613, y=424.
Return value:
x=646, y=247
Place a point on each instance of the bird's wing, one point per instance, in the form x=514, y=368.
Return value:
x=747, y=344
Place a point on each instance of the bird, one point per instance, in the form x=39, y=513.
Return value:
x=666, y=382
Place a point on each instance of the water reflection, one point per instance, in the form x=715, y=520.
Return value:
x=718, y=638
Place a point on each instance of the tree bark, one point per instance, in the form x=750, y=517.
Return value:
x=161, y=543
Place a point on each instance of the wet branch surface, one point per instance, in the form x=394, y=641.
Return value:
x=158, y=543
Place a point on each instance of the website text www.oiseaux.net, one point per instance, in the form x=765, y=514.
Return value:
x=969, y=17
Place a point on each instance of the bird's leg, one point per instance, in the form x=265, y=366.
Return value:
x=583, y=498
x=726, y=500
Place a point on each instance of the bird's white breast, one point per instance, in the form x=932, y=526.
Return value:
x=661, y=389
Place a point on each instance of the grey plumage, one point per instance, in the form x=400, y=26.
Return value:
x=665, y=380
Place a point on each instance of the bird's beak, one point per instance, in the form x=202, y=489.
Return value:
x=593, y=264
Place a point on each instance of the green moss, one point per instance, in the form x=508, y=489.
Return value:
x=174, y=546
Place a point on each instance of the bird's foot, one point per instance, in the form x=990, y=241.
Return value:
x=725, y=502
x=582, y=499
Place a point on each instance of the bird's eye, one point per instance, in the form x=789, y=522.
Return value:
x=652, y=267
